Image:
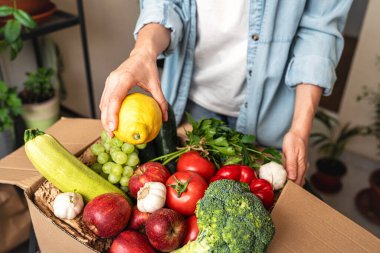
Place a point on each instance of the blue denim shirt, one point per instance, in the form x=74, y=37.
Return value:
x=290, y=42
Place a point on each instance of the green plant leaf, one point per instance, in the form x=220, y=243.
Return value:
x=12, y=30
x=24, y=18
x=276, y=155
x=14, y=103
x=328, y=121
x=16, y=48
x=6, y=10
x=3, y=45
x=327, y=149
x=246, y=139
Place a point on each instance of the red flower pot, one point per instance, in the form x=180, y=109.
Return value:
x=327, y=178
x=374, y=181
x=30, y=6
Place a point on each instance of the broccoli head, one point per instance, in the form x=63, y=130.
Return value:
x=230, y=219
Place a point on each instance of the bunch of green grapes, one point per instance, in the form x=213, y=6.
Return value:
x=115, y=160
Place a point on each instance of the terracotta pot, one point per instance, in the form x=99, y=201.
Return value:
x=328, y=176
x=41, y=115
x=374, y=181
x=30, y=6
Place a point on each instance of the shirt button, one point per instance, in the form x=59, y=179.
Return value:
x=255, y=37
x=246, y=104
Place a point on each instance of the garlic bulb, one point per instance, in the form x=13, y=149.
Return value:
x=151, y=197
x=68, y=205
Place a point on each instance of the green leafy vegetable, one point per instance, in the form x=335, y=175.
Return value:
x=223, y=145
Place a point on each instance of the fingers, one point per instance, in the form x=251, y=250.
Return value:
x=135, y=71
x=116, y=89
x=159, y=97
x=295, y=154
x=295, y=164
x=301, y=167
x=291, y=165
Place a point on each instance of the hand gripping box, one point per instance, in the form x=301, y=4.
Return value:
x=303, y=222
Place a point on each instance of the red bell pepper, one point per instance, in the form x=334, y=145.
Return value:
x=264, y=190
x=241, y=173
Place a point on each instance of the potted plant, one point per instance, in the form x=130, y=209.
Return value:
x=31, y=7
x=10, y=107
x=372, y=95
x=40, y=101
x=368, y=200
x=330, y=145
x=17, y=20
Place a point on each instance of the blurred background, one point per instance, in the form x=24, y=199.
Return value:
x=83, y=41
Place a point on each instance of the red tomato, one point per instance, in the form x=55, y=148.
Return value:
x=192, y=229
x=183, y=190
x=193, y=161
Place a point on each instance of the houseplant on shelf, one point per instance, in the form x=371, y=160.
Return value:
x=330, y=144
x=10, y=107
x=32, y=7
x=17, y=20
x=40, y=101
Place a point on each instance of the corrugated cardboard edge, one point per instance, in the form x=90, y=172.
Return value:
x=16, y=168
x=309, y=220
x=49, y=228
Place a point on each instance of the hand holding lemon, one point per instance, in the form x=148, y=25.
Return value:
x=140, y=119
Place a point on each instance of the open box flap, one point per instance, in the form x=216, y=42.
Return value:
x=306, y=224
x=75, y=134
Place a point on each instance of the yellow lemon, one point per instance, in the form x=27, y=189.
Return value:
x=140, y=119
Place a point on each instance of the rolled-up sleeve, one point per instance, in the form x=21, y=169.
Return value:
x=166, y=13
x=318, y=44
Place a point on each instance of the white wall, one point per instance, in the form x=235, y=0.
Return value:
x=363, y=72
x=109, y=27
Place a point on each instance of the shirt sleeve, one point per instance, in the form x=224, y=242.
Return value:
x=165, y=12
x=318, y=44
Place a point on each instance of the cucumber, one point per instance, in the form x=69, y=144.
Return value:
x=167, y=140
x=148, y=153
x=62, y=169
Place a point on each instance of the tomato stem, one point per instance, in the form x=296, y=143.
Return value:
x=171, y=156
x=180, y=187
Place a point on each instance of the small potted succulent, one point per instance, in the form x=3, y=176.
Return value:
x=14, y=21
x=330, y=144
x=10, y=107
x=40, y=101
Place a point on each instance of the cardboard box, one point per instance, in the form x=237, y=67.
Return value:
x=303, y=222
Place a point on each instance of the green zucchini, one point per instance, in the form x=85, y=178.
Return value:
x=167, y=140
x=62, y=169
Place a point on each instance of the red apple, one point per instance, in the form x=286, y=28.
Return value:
x=107, y=214
x=165, y=229
x=130, y=241
x=147, y=172
x=138, y=220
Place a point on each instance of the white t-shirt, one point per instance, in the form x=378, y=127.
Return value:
x=220, y=55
